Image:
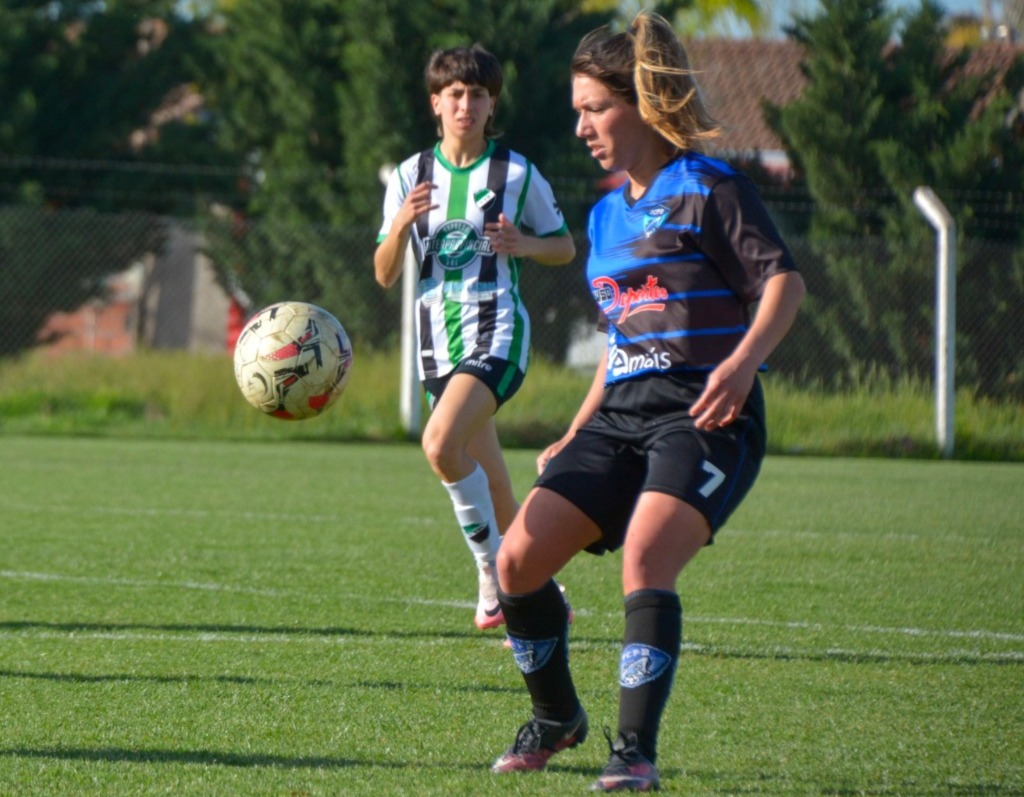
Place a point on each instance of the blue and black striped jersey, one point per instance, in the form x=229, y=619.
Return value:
x=676, y=271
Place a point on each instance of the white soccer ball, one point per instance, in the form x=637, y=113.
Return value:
x=292, y=360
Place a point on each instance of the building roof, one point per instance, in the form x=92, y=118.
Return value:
x=737, y=75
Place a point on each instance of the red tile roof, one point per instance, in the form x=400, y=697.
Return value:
x=736, y=75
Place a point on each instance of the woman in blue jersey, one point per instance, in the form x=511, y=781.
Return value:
x=671, y=434
x=472, y=210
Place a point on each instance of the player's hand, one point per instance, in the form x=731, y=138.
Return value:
x=506, y=238
x=549, y=452
x=723, y=397
x=416, y=203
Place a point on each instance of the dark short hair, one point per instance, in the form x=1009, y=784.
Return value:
x=473, y=66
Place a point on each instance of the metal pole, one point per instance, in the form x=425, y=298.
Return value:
x=408, y=388
x=409, y=397
x=945, y=314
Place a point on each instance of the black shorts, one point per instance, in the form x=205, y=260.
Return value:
x=606, y=466
x=503, y=378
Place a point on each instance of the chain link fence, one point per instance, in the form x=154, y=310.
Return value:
x=79, y=280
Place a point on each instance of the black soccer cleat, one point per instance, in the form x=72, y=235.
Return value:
x=628, y=769
x=538, y=740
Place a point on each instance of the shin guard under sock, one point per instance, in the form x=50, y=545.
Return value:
x=538, y=628
x=471, y=500
x=650, y=651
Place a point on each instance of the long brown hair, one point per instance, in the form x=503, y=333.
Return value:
x=647, y=66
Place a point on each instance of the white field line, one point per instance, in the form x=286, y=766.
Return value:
x=865, y=629
x=169, y=512
x=975, y=634
x=175, y=511
x=831, y=534
x=773, y=651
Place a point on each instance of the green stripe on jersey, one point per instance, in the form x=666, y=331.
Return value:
x=515, y=350
x=458, y=195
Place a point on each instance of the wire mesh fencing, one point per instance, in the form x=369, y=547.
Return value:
x=80, y=280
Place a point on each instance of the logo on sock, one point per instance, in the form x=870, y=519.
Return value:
x=477, y=532
x=532, y=654
x=641, y=664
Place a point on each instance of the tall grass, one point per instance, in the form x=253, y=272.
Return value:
x=177, y=394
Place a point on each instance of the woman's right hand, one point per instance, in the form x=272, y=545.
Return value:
x=549, y=452
x=417, y=202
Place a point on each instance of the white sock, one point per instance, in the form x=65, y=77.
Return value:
x=471, y=498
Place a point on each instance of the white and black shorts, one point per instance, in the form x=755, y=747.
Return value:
x=502, y=377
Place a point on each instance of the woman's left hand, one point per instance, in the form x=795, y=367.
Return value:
x=730, y=383
x=506, y=238
x=724, y=395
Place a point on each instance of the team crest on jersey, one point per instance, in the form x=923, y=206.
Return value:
x=456, y=244
x=641, y=664
x=484, y=198
x=654, y=218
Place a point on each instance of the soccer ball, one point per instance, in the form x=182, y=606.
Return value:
x=292, y=360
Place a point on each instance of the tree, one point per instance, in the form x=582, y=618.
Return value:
x=321, y=95
x=910, y=116
x=77, y=79
x=56, y=262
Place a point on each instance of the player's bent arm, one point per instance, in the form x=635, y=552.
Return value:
x=729, y=384
x=390, y=257
x=593, y=398
x=551, y=250
x=776, y=312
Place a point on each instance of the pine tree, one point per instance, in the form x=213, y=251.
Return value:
x=881, y=116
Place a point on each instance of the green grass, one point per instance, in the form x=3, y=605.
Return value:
x=283, y=618
x=176, y=395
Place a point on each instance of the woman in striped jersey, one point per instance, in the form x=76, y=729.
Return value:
x=671, y=435
x=472, y=210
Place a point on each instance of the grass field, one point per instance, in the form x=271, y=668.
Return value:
x=292, y=619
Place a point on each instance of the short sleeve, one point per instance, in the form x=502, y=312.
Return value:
x=740, y=238
x=541, y=212
x=394, y=195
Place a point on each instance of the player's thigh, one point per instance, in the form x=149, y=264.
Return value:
x=710, y=471
x=602, y=476
x=547, y=533
x=664, y=534
x=466, y=405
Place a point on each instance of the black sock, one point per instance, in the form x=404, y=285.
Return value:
x=538, y=627
x=650, y=651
